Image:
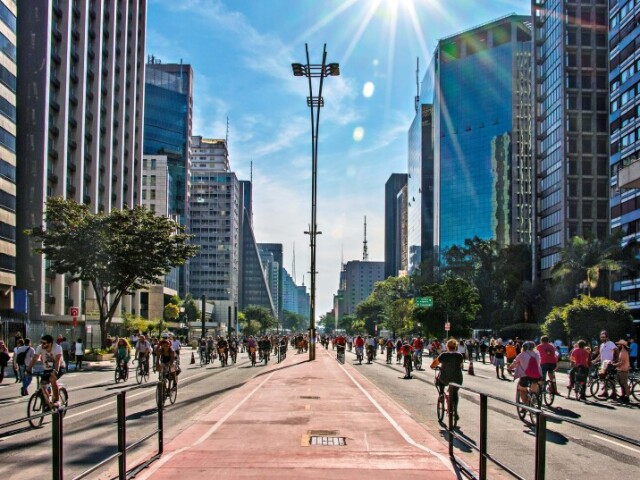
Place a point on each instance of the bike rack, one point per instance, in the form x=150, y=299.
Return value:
x=57, y=438
x=540, y=437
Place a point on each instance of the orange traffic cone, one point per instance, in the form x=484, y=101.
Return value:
x=470, y=369
x=193, y=358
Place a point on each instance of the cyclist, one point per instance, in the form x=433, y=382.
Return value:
x=390, y=346
x=143, y=348
x=450, y=363
x=406, y=352
x=175, y=344
x=166, y=356
x=265, y=348
x=607, y=354
x=548, y=361
x=223, y=350
x=341, y=343
x=251, y=343
x=233, y=348
x=399, y=351
x=51, y=355
x=371, y=347
x=580, y=365
x=359, y=345
x=418, y=346
x=123, y=354
x=202, y=349
x=526, y=368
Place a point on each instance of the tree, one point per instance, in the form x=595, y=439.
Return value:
x=455, y=300
x=328, y=322
x=399, y=316
x=554, y=326
x=294, y=321
x=191, y=311
x=171, y=312
x=250, y=328
x=116, y=253
x=136, y=323
x=585, y=317
x=262, y=315
x=372, y=309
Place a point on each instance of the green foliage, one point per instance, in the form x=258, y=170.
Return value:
x=357, y=327
x=554, y=326
x=191, y=311
x=250, y=327
x=585, y=317
x=328, y=322
x=527, y=331
x=375, y=309
x=261, y=315
x=136, y=323
x=116, y=253
x=399, y=316
x=175, y=300
x=294, y=321
x=455, y=300
x=171, y=312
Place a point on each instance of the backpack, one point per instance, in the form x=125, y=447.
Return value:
x=21, y=357
x=532, y=370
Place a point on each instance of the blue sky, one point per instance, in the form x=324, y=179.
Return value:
x=241, y=52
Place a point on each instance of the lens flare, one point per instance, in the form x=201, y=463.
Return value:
x=358, y=134
x=368, y=89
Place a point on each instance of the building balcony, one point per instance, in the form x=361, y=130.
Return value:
x=629, y=175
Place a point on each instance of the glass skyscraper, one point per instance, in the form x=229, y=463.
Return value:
x=476, y=109
x=571, y=127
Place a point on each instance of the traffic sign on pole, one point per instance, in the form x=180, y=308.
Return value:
x=74, y=311
x=74, y=321
x=424, y=302
x=447, y=326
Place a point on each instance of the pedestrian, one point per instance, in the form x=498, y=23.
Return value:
x=510, y=352
x=622, y=366
x=4, y=359
x=79, y=351
x=462, y=350
x=492, y=344
x=483, y=349
x=25, y=358
x=498, y=358
x=16, y=369
x=633, y=353
x=66, y=348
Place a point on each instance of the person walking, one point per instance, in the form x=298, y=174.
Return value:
x=66, y=352
x=4, y=359
x=27, y=354
x=498, y=359
x=622, y=366
x=633, y=353
x=79, y=351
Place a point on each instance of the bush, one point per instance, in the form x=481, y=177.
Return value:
x=554, y=326
x=527, y=331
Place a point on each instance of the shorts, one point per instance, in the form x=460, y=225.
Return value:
x=527, y=381
x=47, y=374
x=498, y=362
x=548, y=367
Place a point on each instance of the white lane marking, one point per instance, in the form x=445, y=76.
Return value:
x=618, y=444
x=443, y=459
x=155, y=466
x=107, y=404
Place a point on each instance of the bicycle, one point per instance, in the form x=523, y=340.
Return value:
x=579, y=384
x=359, y=355
x=548, y=392
x=121, y=372
x=223, y=357
x=169, y=388
x=634, y=384
x=417, y=360
x=444, y=405
x=607, y=383
x=40, y=402
x=408, y=366
x=234, y=356
x=340, y=354
x=142, y=371
x=389, y=355
x=534, y=401
x=204, y=358
x=252, y=355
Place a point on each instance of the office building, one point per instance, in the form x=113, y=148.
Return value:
x=571, y=127
x=276, y=290
x=80, y=118
x=394, y=224
x=624, y=119
x=476, y=101
x=8, y=189
x=359, y=279
x=295, y=298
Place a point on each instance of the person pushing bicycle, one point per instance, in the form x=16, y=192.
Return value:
x=450, y=364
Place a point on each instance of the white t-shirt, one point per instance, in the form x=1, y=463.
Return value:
x=371, y=342
x=175, y=345
x=606, y=350
x=79, y=348
x=48, y=358
x=143, y=347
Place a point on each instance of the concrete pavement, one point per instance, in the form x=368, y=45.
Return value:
x=305, y=420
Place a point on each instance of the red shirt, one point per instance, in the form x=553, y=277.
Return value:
x=418, y=344
x=580, y=357
x=360, y=342
x=547, y=353
x=341, y=340
x=406, y=349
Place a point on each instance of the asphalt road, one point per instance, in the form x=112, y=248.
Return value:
x=572, y=452
x=90, y=431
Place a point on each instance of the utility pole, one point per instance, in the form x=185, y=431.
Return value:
x=204, y=315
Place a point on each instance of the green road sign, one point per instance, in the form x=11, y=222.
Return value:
x=424, y=302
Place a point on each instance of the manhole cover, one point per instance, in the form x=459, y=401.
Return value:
x=310, y=397
x=328, y=441
x=322, y=433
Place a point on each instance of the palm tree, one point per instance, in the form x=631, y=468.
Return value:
x=587, y=258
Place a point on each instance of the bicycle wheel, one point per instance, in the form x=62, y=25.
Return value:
x=173, y=391
x=534, y=402
x=635, y=389
x=117, y=374
x=548, y=393
x=594, y=388
x=202, y=360
x=522, y=413
x=159, y=397
x=35, y=407
x=440, y=408
x=139, y=374
x=63, y=398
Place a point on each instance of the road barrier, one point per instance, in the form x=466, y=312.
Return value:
x=540, y=437
x=57, y=435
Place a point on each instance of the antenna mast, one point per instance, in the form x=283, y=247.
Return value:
x=293, y=267
x=365, y=247
x=417, y=99
x=227, y=137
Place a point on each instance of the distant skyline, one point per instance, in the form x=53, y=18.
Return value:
x=241, y=52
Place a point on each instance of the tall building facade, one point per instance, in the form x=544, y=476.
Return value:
x=624, y=123
x=168, y=117
x=8, y=84
x=477, y=97
x=295, y=298
x=276, y=268
x=393, y=225
x=571, y=127
x=359, y=279
x=80, y=118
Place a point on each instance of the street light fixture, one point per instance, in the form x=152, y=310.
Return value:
x=314, y=102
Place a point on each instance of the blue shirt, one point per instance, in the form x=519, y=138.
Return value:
x=633, y=349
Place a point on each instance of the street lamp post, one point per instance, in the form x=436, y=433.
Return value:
x=314, y=102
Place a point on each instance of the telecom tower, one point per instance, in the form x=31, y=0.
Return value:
x=365, y=247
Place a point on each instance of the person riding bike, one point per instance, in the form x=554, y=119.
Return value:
x=359, y=342
x=450, y=363
x=143, y=349
x=418, y=347
x=390, y=346
x=371, y=347
x=579, y=365
x=548, y=360
x=223, y=350
x=166, y=357
x=406, y=352
x=526, y=368
x=265, y=348
x=233, y=348
x=51, y=355
x=202, y=348
x=399, y=351
x=210, y=347
x=123, y=354
x=341, y=343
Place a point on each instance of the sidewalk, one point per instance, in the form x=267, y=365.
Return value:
x=266, y=429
